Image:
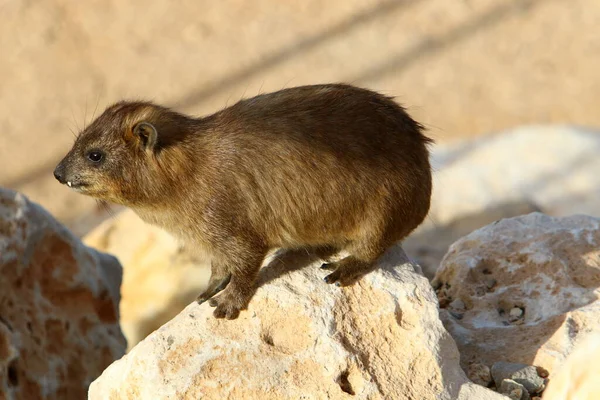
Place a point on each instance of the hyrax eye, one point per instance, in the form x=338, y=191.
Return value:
x=95, y=156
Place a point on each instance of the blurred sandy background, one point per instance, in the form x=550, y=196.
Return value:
x=464, y=68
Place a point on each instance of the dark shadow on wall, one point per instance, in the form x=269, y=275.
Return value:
x=293, y=51
x=436, y=44
x=395, y=64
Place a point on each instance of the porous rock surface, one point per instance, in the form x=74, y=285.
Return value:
x=303, y=339
x=160, y=277
x=59, y=301
x=527, y=288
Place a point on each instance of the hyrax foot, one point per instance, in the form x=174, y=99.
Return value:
x=228, y=305
x=214, y=286
x=341, y=278
x=346, y=272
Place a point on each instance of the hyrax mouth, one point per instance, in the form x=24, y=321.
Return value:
x=76, y=185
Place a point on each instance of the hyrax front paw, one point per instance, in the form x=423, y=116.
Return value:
x=227, y=305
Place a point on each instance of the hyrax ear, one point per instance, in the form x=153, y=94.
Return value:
x=146, y=133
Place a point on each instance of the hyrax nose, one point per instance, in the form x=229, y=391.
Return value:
x=59, y=173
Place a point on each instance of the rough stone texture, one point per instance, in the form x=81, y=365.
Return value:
x=577, y=378
x=513, y=390
x=549, y=267
x=58, y=306
x=301, y=338
x=523, y=374
x=479, y=181
x=462, y=67
x=160, y=277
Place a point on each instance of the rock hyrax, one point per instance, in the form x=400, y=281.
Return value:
x=325, y=167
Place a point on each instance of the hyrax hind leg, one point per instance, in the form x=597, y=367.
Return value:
x=241, y=264
x=360, y=261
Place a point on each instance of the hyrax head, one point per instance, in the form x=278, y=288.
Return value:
x=117, y=152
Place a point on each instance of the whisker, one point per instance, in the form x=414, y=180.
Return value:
x=96, y=108
x=73, y=132
x=74, y=119
x=261, y=86
x=85, y=114
x=288, y=82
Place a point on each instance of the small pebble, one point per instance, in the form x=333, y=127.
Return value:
x=514, y=390
x=542, y=372
x=516, y=312
x=480, y=374
x=523, y=374
x=515, y=316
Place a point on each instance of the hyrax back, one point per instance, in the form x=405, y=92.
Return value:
x=328, y=167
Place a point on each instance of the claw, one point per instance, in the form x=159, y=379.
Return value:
x=212, y=289
x=201, y=298
x=333, y=277
x=328, y=266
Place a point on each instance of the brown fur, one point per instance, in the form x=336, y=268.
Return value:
x=332, y=167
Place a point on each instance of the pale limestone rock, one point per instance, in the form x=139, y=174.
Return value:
x=160, y=278
x=553, y=167
x=303, y=339
x=577, y=378
x=548, y=267
x=59, y=301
